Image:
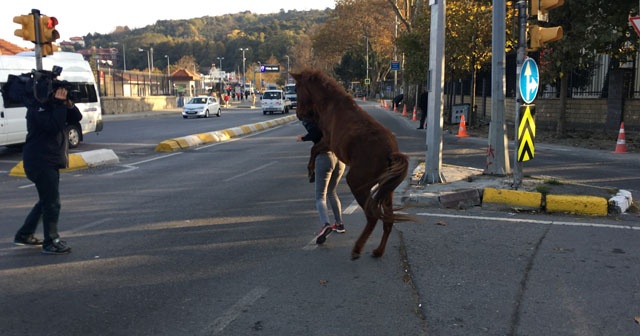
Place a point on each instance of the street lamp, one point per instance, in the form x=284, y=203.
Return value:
x=168, y=70
x=148, y=62
x=168, y=65
x=367, y=77
x=220, y=73
x=287, y=56
x=244, y=73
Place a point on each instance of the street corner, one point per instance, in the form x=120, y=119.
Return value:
x=78, y=161
x=577, y=204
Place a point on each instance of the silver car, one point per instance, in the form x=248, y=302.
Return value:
x=201, y=107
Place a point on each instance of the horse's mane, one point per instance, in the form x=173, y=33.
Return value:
x=316, y=86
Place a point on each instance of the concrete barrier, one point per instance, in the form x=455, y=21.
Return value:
x=78, y=161
x=175, y=144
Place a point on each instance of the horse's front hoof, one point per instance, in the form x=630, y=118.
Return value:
x=377, y=254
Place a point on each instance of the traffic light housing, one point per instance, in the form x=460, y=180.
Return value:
x=48, y=49
x=539, y=36
x=48, y=32
x=540, y=8
x=27, y=32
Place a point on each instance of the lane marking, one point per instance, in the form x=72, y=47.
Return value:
x=535, y=221
x=250, y=171
x=351, y=208
x=88, y=225
x=232, y=313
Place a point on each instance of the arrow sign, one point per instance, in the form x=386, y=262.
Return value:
x=529, y=80
x=526, y=135
x=635, y=22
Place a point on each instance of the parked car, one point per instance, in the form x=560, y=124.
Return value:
x=275, y=101
x=201, y=107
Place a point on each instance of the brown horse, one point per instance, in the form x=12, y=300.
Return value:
x=376, y=167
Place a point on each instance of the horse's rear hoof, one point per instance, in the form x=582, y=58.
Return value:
x=355, y=255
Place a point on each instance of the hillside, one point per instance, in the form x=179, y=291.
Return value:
x=209, y=38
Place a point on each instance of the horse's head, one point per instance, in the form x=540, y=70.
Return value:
x=306, y=81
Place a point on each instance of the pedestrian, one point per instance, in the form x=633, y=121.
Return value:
x=325, y=171
x=423, y=104
x=44, y=154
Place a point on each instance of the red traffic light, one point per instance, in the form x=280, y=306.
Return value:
x=51, y=22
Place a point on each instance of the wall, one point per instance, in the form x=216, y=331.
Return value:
x=582, y=114
x=121, y=105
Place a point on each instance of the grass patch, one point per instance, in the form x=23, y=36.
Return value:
x=552, y=182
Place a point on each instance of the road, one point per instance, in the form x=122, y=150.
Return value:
x=217, y=240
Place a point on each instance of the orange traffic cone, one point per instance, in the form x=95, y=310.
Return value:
x=395, y=108
x=364, y=98
x=404, y=110
x=415, y=116
x=386, y=105
x=621, y=145
x=462, y=130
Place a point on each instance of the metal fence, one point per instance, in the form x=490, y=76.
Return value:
x=120, y=83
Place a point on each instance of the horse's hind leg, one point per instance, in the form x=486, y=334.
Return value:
x=364, y=236
x=387, y=226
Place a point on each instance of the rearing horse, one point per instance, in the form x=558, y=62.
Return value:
x=376, y=167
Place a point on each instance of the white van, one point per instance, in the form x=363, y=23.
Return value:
x=13, y=124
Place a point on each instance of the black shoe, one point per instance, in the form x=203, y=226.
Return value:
x=420, y=128
x=323, y=234
x=29, y=240
x=57, y=246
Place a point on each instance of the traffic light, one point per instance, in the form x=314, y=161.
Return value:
x=539, y=36
x=48, y=49
x=48, y=32
x=540, y=8
x=27, y=32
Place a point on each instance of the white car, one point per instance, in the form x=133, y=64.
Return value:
x=201, y=107
x=275, y=101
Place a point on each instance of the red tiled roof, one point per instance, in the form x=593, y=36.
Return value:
x=8, y=48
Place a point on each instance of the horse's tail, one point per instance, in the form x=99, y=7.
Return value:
x=386, y=184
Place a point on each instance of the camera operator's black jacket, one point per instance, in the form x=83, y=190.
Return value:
x=47, y=141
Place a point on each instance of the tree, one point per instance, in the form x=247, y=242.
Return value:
x=607, y=30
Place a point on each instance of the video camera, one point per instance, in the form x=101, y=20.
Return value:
x=38, y=87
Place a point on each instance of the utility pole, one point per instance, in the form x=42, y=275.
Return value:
x=497, y=157
x=435, y=85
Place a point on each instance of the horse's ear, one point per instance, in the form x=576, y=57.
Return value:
x=296, y=76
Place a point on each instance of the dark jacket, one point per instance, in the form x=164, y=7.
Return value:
x=313, y=132
x=423, y=101
x=47, y=141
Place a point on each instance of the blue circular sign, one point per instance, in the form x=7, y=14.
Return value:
x=529, y=79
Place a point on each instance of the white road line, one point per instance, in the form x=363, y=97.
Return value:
x=351, y=208
x=232, y=313
x=88, y=225
x=535, y=221
x=250, y=171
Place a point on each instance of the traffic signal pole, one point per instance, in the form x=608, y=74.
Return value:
x=38, y=44
x=522, y=53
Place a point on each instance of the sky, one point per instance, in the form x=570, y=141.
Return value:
x=79, y=18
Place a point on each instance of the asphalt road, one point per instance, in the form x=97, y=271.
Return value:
x=217, y=240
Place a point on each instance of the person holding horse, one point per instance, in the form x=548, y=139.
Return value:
x=325, y=170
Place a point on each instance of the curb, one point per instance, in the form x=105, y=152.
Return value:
x=82, y=160
x=194, y=140
x=489, y=195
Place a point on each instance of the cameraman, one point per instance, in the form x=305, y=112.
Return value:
x=44, y=153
